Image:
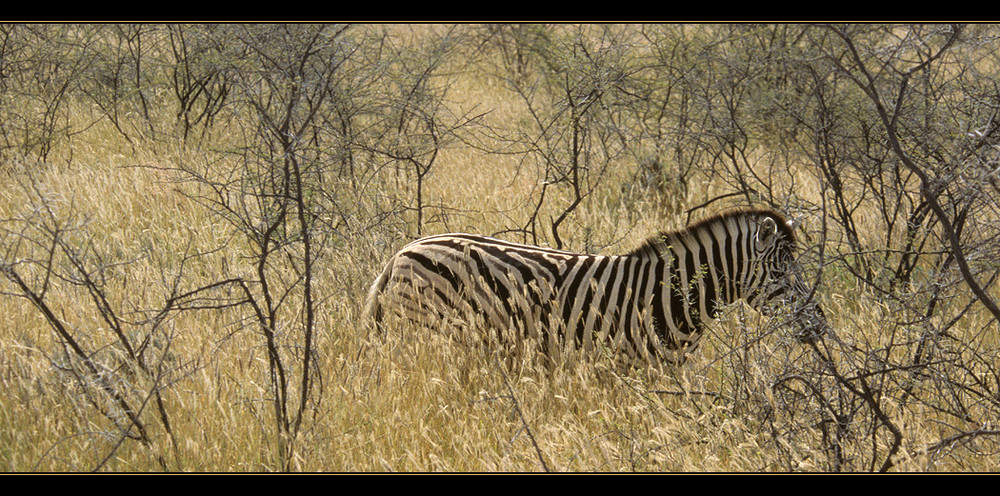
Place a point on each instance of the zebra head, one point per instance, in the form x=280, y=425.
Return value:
x=775, y=281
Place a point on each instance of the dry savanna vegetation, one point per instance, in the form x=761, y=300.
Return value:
x=191, y=215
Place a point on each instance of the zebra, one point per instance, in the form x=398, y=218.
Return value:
x=652, y=302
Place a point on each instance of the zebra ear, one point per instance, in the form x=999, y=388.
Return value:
x=766, y=232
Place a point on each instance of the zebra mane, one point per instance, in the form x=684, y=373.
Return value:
x=655, y=242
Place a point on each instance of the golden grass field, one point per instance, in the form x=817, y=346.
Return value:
x=413, y=403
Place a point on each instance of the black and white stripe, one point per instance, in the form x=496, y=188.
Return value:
x=651, y=302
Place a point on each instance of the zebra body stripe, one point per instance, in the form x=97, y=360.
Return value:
x=650, y=303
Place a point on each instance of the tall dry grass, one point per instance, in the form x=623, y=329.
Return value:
x=413, y=402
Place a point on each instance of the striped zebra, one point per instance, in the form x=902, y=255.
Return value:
x=650, y=303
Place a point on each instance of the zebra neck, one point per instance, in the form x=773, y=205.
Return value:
x=704, y=271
